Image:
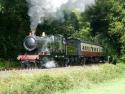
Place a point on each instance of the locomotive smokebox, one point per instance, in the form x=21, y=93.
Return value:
x=33, y=42
x=33, y=32
x=30, y=43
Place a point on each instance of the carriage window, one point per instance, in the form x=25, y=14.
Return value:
x=97, y=49
x=71, y=49
x=87, y=48
x=83, y=48
x=94, y=49
x=91, y=49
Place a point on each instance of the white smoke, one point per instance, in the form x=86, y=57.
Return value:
x=50, y=64
x=40, y=10
x=47, y=40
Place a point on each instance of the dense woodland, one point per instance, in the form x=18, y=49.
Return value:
x=103, y=23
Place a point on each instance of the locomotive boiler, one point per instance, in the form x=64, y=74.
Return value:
x=48, y=51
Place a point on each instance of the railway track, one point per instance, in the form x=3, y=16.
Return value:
x=51, y=69
x=17, y=72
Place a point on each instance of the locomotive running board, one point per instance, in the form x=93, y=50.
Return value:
x=28, y=57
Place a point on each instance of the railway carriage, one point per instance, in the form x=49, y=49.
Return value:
x=86, y=52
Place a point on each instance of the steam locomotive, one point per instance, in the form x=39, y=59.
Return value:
x=50, y=51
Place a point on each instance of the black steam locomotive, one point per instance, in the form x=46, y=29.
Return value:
x=55, y=51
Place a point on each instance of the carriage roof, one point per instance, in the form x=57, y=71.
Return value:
x=83, y=41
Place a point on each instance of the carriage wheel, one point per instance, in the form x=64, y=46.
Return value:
x=39, y=64
x=25, y=64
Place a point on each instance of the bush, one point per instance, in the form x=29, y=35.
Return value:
x=122, y=59
x=4, y=64
x=41, y=83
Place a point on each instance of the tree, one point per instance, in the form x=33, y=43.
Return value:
x=13, y=26
x=65, y=28
x=108, y=23
x=83, y=33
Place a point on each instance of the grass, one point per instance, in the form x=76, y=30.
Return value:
x=116, y=86
x=57, y=80
x=4, y=64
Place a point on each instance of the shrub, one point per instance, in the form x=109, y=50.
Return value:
x=48, y=84
x=4, y=64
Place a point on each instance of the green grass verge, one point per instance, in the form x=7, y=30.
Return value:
x=115, y=86
x=58, y=80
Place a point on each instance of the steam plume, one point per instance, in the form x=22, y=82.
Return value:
x=40, y=10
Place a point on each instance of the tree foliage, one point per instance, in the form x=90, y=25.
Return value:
x=103, y=23
x=107, y=22
x=13, y=26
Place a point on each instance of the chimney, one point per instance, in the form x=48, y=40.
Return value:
x=31, y=33
x=43, y=34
